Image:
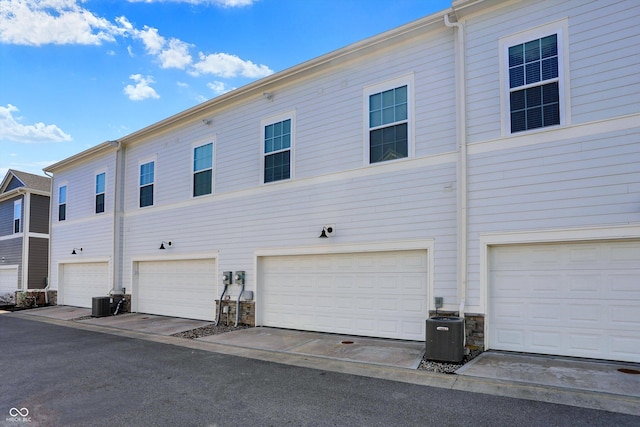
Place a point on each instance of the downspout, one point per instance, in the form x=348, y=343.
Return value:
x=46, y=288
x=117, y=218
x=461, y=130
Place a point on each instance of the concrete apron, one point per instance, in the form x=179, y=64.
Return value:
x=556, y=371
x=402, y=354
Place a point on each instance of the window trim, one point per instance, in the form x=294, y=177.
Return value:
x=560, y=28
x=17, y=204
x=288, y=115
x=66, y=201
x=367, y=91
x=193, y=172
x=104, y=193
x=155, y=174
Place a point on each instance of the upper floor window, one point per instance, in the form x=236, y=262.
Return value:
x=277, y=150
x=17, y=216
x=147, y=171
x=388, y=118
x=100, y=191
x=534, y=73
x=62, y=203
x=203, y=170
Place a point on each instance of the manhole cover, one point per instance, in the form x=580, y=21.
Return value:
x=347, y=342
x=629, y=371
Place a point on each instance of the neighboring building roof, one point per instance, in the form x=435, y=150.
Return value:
x=27, y=180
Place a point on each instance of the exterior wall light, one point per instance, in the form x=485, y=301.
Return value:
x=73, y=252
x=327, y=231
x=165, y=243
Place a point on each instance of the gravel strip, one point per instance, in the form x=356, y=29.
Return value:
x=209, y=330
x=446, y=367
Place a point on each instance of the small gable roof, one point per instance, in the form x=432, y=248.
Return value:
x=17, y=179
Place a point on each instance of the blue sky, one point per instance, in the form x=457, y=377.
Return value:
x=76, y=73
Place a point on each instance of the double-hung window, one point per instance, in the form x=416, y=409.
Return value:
x=388, y=118
x=17, y=215
x=534, y=75
x=62, y=203
x=100, y=191
x=203, y=170
x=277, y=143
x=147, y=172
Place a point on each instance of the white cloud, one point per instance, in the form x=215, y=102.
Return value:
x=176, y=55
x=219, y=88
x=142, y=89
x=12, y=129
x=229, y=66
x=153, y=42
x=33, y=22
x=171, y=54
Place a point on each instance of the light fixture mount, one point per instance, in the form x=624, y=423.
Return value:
x=327, y=230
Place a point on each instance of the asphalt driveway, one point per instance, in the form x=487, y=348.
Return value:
x=76, y=377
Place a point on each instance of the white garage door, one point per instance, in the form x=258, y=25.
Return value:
x=83, y=281
x=184, y=288
x=8, y=280
x=379, y=294
x=573, y=299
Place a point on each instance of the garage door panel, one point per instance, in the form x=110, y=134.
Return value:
x=180, y=288
x=8, y=280
x=354, y=293
x=577, y=299
x=83, y=281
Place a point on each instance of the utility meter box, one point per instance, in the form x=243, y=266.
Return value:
x=445, y=339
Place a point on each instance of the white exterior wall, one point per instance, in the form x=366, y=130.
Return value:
x=581, y=175
x=603, y=61
x=332, y=182
x=83, y=228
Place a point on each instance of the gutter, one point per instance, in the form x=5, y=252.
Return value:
x=461, y=131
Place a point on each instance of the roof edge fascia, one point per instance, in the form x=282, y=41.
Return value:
x=98, y=149
x=22, y=190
